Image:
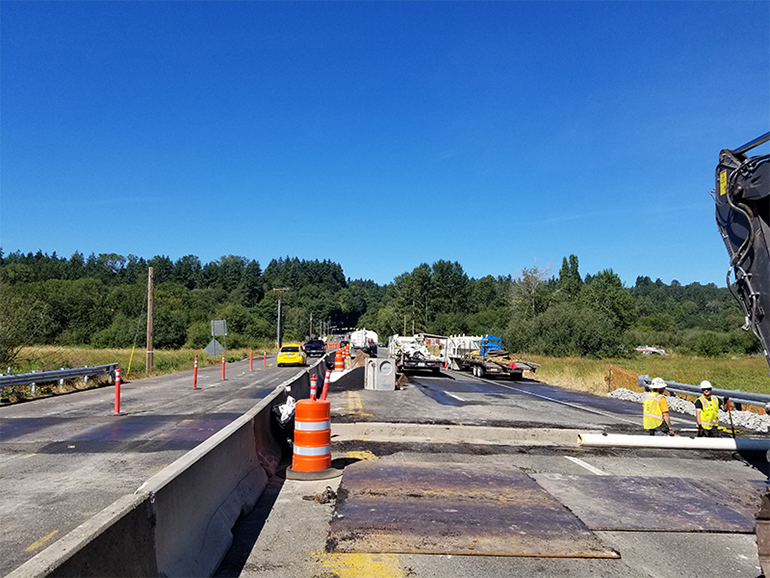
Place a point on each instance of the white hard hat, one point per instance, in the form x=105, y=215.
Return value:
x=658, y=383
x=705, y=384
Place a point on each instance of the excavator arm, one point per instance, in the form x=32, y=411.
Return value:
x=742, y=196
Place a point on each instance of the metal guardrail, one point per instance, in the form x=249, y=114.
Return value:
x=737, y=396
x=44, y=376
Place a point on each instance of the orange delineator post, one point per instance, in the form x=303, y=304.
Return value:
x=312, y=436
x=117, y=391
x=326, y=384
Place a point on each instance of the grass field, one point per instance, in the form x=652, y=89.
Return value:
x=132, y=364
x=745, y=373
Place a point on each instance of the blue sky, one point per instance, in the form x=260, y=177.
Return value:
x=380, y=135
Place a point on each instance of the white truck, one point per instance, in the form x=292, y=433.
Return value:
x=412, y=354
x=365, y=340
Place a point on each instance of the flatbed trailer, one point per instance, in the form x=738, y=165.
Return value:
x=488, y=359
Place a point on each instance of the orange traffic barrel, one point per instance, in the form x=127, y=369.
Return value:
x=339, y=362
x=312, y=459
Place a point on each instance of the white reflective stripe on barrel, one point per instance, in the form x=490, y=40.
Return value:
x=312, y=425
x=312, y=451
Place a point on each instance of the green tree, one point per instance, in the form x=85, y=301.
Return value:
x=23, y=320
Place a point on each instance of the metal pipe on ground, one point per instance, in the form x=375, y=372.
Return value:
x=672, y=442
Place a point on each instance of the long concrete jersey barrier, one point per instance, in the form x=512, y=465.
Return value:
x=179, y=522
x=673, y=442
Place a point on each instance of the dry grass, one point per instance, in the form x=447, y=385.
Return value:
x=748, y=373
x=132, y=365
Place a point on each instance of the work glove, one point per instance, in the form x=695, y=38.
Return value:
x=671, y=432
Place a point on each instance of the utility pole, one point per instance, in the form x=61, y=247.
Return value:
x=311, y=325
x=279, y=336
x=150, y=292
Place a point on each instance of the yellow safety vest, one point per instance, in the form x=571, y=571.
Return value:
x=653, y=417
x=709, y=415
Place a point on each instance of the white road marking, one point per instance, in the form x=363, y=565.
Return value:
x=587, y=466
x=596, y=411
x=457, y=397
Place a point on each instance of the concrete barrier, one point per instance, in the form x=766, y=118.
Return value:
x=179, y=522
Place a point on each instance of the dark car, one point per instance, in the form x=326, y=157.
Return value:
x=314, y=348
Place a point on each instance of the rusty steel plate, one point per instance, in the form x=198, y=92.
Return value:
x=638, y=503
x=454, y=509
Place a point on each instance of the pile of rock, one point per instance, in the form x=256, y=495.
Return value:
x=745, y=420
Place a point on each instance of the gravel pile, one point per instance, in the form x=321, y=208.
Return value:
x=745, y=420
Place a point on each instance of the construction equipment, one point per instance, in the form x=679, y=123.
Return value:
x=483, y=355
x=742, y=197
x=412, y=354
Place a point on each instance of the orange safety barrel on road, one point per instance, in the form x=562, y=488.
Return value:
x=339, y=362
x=312, y=436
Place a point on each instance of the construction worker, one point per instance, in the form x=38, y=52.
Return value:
x=707, y=411
x=656, y=418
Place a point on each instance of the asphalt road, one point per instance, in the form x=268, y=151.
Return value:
x=455, y=421
x=65, y=458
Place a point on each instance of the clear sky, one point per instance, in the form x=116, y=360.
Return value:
x=380, y=135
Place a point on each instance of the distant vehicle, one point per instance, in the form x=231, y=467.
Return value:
x=291, y=354
x=647, y=350
x=314, y=348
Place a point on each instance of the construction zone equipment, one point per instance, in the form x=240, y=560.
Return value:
x=339, y=361
x=741, y=195
x=483, y=355
x=312, y=453
x=412, y=354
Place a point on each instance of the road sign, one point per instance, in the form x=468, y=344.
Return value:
x=218, y=328
x=214, y=348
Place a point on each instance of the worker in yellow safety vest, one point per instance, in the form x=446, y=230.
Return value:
x=707, y=411
x=656, y=418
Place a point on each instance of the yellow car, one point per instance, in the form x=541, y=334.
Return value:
x=291, y=354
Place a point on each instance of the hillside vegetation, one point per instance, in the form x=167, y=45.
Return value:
x=100, y=301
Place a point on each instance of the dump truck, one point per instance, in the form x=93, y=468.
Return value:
x=412, y=354
x=484, y=356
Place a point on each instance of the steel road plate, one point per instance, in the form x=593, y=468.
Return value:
x=638, y=503
x=454, y=509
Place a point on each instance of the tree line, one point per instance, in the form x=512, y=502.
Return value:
x=101, y=301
